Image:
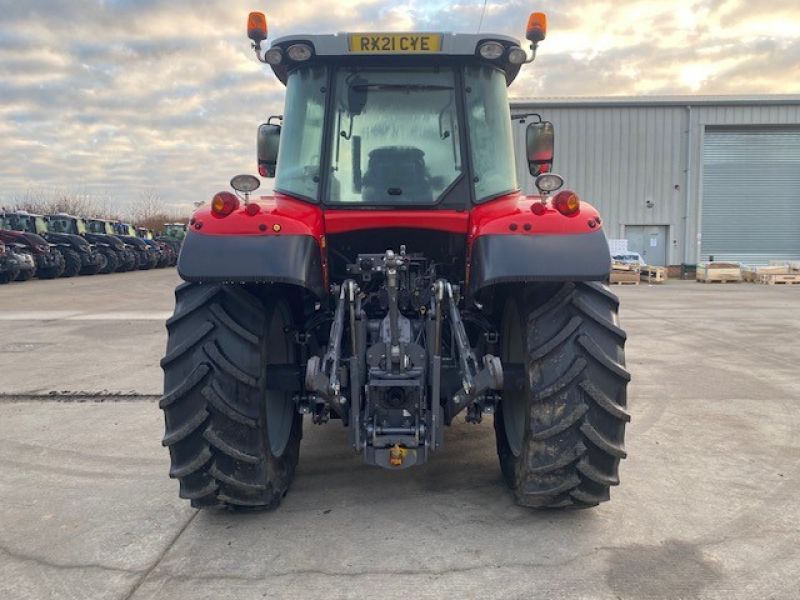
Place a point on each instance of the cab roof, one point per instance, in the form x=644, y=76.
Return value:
x=330, y=47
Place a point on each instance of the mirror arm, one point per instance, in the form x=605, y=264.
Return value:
x=532, y=57
x=256, y=46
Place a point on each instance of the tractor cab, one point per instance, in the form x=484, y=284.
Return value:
x=126, y=229
x=175, y=231
x=63, y=223
x=143, y=233
x=100, y=226
x=396, y=120
x=25, y=221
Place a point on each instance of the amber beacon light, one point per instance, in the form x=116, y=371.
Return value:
x=257, y=27
x=537, y=27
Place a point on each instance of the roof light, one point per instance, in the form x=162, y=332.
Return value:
x=491, y=50
x=517, y=56
x=299, y=52
x=274, y=56
x=567, y=203
x=257, y=27
x=537, y=27
x=223, y=204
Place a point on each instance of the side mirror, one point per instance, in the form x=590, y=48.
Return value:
x=269, y=136
x=540, y=146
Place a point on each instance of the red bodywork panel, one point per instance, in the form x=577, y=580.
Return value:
x=292, y=216
x=511, y=214
x=341, y=221
x=507, y=214
x=284, y=215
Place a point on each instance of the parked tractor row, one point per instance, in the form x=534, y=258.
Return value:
x=62, y=245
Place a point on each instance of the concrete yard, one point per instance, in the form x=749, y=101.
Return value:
x=708, y=506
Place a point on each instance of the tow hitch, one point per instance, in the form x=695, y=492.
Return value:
x=389, y=379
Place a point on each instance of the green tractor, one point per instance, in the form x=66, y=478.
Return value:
x=146, y=257
x=109, y=246
x=80, y=257
x=166, y=256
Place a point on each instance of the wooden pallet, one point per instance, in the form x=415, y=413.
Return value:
x=618, y=266
x=754, y=273
x=718, y=273
x=779, y=278
x=653, y=274
x=719, y=280
x=621, y=277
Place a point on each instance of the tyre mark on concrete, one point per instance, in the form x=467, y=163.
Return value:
x=79, y=397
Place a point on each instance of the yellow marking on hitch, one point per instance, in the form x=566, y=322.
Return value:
x=397, y=455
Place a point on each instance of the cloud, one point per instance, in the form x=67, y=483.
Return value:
x=118, y=97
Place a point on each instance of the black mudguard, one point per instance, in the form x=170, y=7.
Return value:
x=67, y=240
x=524, y=258
x=292, y=259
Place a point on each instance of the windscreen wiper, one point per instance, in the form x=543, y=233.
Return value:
x=401, y=86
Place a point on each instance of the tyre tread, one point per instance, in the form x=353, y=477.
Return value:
x=576, y=399
x=213, y=404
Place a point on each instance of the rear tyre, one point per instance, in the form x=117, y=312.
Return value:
x=112, y=261
x=72, y=262
x=50, y=272
x=127, y=261
x=9, y=276
x=143, y=260
x=232, y=442
x=560, y=439
x=26, y=275
x=97, y=267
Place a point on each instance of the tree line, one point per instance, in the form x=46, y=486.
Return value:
x=147, y=210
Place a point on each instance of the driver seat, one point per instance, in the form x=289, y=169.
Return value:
x=397, y=174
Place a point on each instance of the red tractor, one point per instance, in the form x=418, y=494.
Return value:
x=394, y=279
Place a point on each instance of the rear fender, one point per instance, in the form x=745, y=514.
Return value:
x=509, y=243
x=283, y=243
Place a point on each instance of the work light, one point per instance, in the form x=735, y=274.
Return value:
x=491, y=50
x=274, y=56
x=517, y=56
x=549, y=182
x=299, y=52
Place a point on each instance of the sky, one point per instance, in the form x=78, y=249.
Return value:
x=118, y=99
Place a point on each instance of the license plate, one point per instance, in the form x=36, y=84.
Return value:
x=395, y=43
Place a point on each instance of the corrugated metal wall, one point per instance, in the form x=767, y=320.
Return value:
x=634, y=160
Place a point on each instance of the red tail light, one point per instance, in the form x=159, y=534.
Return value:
x=538, y=209
x=223, y=204
x=567, y=203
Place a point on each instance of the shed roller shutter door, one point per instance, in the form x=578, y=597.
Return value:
x=751, y=195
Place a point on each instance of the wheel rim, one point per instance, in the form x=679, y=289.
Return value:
x=514, y=404
x=279, y=405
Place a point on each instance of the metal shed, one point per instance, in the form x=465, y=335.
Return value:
x=683, y=178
